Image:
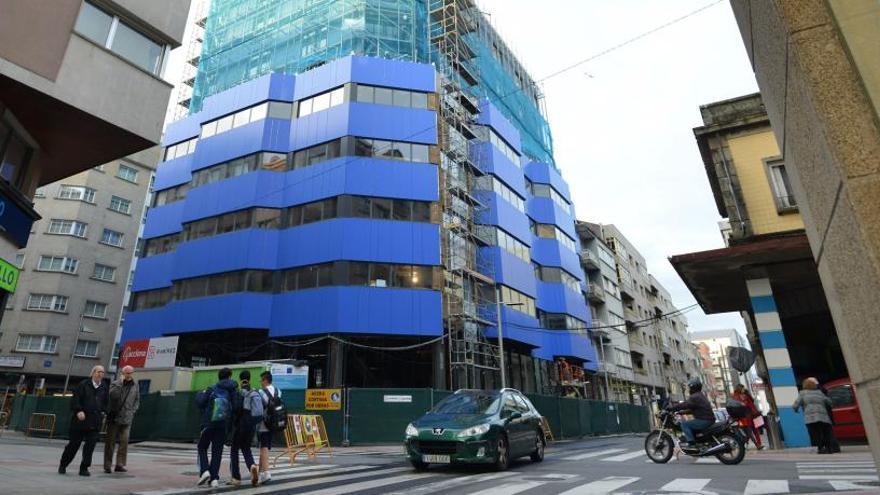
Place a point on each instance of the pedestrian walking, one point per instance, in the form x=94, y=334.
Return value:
x=814, y=403
x=742, y=394
x=217, y=406
x=250, y=414
x=833, y=443
x=275, y=415
x=87, y=405
x=125, y=398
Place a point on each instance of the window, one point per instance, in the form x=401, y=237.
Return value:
x=127, y=173
x=560, y=321
x=491, y=183
x=558, y=275
x=95, y=310
x=40, y=192
x=271, y=109
x=19, y=260
x=547, y=191
x=182, y=148
x=36, y=343
x=111, y=237
x=160, y=245
x=105, y=273
x=57, y=264
x=86, y=349
x=78, y=193
x=503, y=147
x=116, y=35
x=67, y=227
x=549, y=231
x=170, y=195
x=150, y=299
x=842, y=396
x=784, y=196
x=47, y=302
x=394, y=97
x=120, y=205
x=517, y=300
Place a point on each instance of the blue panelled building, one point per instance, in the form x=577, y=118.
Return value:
x=374, y=214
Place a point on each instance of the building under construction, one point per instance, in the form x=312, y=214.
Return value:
x=368, y=186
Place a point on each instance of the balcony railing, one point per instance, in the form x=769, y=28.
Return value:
x=595, y=293
x=589, y=259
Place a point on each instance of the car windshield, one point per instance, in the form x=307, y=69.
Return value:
x=468, y=403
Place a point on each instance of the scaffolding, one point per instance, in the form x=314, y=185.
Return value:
x=468, y=294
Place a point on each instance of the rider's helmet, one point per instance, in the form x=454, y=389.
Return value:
x=694, y=385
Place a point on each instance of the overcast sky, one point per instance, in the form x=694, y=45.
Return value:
x=622, y=124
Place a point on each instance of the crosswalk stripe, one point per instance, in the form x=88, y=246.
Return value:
x=606, y=485
x=708, y=460
x=365, y=485
x=686, y=485
x=625, y=457
x=510, y=488
x=449, y=483
x=580, y=457
x=840, y=485
x=848, y=477
x=842, y=463
x=838, y=470
x=766, y=487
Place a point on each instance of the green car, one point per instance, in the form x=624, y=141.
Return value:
x=477, y=426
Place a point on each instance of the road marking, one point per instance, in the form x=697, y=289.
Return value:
x=686, y=485
x=580, y=457
x=625, y=457
x=363, y=485
x=708, y=460
x=847, y=477
x=838, y=470
x=449, y=483
x=766, y=487
x=275, y=486
x=606, y=485
x=849, y=485
x=837, y=464
x=510, y=488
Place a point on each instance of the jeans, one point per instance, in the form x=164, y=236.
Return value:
x=241, y=440
x=116, y=432
x=77, y=436
x=214, y=437
x=691, y=426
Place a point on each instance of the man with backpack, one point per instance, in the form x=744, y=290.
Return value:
x=275, y=419
x=217, y=404
x=250, y=414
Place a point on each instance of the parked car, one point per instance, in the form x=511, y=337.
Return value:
x=477, y=426
x=845, y=409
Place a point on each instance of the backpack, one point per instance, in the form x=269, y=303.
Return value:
x=275, y=415
x=252, y=411
x=220, y=406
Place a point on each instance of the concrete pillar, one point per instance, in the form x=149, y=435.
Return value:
x=335, y=364
x=778, y=362
x=439, y=357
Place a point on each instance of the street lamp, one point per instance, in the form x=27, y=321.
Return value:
x=498, y=304
x=82, y=329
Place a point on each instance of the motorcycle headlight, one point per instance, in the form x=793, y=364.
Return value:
x=411, y=431
x=474, y=431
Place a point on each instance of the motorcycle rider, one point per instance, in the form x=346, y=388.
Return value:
x=698, y=405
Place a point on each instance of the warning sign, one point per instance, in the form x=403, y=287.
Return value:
x=324, y=399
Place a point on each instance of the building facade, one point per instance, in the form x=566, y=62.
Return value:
x=389, y=203
x=193, y=41
x=816, y=67
x=707, y=374
x=725, y=378
x=74, y=271
x=767, y=271
x=614, y=377
x=80, y=85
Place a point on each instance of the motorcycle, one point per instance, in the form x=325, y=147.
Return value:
x=721, y=440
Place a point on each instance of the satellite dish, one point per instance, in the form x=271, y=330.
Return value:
x=741, y=359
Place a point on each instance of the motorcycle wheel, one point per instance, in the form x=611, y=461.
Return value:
x=659, y=446
x=737, y=449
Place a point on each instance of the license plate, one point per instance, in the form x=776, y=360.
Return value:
x=437, y=459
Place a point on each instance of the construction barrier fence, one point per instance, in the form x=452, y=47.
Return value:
x=365, y=416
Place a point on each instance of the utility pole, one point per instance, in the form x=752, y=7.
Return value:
x=500, y=336
x=73, y=354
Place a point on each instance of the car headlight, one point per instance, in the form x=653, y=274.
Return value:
x=411, y=431
x=474, y=431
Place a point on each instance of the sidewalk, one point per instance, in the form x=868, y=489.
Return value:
x=848, y=452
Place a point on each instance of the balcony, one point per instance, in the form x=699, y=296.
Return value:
x=595, y=293
x=589, y=260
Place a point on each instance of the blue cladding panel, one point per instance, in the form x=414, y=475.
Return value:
x=512, y=271
x=154, y=272
x=545, y=174
x=519, y=327
x=182, y=130
x=492, y=117
x=357, y=310
x=548, y=252
x=173, y=172
x=545, y=210
x=262, y=135
x=763, y=304
x=490, y=159
x=557, y=298
x=782, y=377
x=279, y=87
x=365, y=70
x=365, y=120
x=252, y=248
x=504, y=215
x=772, y=340
x=164, y=220
x=793, y=428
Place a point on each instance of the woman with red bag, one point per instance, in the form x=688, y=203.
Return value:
x=748, y=424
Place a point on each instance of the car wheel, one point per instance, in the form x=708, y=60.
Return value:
x=419, y=465
x=502, y=453
x=538, y=454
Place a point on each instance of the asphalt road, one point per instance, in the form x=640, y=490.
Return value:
x=592, y=466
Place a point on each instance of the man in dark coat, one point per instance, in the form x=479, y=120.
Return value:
x=88, y=405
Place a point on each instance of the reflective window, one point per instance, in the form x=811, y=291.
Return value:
x=80, y=193
x=517, y=300
x=111, y=237
x=116, y=35
x=491, y=183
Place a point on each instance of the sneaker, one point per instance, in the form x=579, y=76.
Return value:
x=121, y=469
x=84, y=472
x=265, y=478
x=233, y=482
x=255, y=475
x=107, y=470
x=204, y=478
x=62, y=470
x=215, y=483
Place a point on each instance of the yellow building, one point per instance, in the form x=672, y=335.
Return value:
x=766, y=272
